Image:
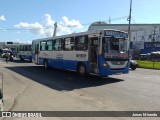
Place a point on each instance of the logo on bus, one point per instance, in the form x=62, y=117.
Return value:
x=59, y=56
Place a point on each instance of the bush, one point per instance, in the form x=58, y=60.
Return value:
x=149, y=64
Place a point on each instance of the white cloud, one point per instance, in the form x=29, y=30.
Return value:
x=65, y=26
x=49, y=25
x=35, y=28
x=61, y=30
x=71, y=23
x=48, y=21
x=2, y=18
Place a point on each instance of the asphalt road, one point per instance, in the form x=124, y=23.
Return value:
x=29, y=87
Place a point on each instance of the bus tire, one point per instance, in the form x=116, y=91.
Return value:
x=45, y=64
x=81, y=69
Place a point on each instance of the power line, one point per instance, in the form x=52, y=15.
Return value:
x=116, y=19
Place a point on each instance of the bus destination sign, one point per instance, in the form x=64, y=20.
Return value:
x=116, y=34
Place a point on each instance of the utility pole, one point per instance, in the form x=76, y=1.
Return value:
x=153, y=41
x=154, y=33
x=55, y=29
x=129, y=19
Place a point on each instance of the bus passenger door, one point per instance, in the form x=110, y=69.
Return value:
x=36, y=53
x=93, y=54
x=17, y=52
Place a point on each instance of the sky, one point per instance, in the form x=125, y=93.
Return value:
x=26, y=20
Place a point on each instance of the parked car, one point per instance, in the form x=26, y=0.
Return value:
x=133, y=64
x=1, y=52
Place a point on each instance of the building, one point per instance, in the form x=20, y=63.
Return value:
x=148, y=38
x=123, y=27
x=8, y=45
x=145, y=38
x=2, y=45
x=147, y=35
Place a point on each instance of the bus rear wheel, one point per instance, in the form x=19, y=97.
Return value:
x=81, y=70
x=45, y=64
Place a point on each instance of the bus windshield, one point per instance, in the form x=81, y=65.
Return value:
x=115, y=47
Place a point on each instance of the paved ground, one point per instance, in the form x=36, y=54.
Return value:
x=28, y=87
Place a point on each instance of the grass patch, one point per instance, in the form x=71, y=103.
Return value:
x=148, y=64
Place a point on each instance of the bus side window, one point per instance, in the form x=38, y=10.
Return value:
x=58, y=45
x=17, y=49
x=46, y=47
x=62, y=44
x=30, y=48
x=24, y=48
x=69, y=44
x=43, y=46
x=49, y=45
x=27, y=48
x=81, y=43
x=54, y=44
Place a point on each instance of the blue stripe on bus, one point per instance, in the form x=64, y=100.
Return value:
x=63, y=64
x=26, y=57
x=104, y=71
x=72, y=65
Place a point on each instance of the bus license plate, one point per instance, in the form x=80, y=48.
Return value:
x=118, y=73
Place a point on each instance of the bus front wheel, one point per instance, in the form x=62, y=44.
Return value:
x=81, y=70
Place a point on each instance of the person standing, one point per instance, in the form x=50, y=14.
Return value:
x=7, y=56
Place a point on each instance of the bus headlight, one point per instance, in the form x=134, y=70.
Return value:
x=105, y=65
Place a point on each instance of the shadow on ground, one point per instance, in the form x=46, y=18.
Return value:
x=60, y=79
x=16, y=60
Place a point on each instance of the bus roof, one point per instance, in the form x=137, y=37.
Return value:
x=25, y=44
x=78, y=34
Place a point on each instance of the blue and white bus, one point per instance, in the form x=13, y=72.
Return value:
x=101, y=52
x=24, y=52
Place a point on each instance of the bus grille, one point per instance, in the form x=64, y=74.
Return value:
x=118, y=62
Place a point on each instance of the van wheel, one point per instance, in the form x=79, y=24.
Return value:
x=133, y=68
x=81, y=70
x=45, y=64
